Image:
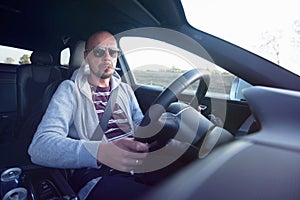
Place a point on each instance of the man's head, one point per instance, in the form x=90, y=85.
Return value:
x=101, y=54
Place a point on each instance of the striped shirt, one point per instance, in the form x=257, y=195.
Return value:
x=118, y=126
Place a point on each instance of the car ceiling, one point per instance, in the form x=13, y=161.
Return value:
x=50, y=24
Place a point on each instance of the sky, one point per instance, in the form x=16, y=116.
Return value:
x=245, y=22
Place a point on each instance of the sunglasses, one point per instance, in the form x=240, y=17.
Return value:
x=100, y=51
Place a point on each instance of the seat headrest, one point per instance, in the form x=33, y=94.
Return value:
x=41, y=58
x=77, y=57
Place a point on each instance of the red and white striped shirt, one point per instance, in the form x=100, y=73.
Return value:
x=118, y=126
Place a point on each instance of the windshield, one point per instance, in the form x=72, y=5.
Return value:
x=267, y=28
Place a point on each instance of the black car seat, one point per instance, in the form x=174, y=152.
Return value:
x=32, y=81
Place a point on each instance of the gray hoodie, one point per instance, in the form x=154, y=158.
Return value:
x=62, y=137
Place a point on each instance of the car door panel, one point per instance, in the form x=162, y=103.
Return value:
x=146, y=94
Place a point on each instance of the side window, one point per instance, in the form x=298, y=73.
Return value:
x=14, y=56
x=65, y=56
x=160, y=73
x=157, y=63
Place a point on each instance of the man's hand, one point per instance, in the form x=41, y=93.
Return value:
x=123, y=155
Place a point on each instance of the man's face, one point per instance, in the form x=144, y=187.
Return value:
x=101, y=55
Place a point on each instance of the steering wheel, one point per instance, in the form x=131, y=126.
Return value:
x=150, y=126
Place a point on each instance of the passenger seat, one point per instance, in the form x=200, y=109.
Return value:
x=32, y=80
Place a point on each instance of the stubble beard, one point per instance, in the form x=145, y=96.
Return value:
x=105, y=74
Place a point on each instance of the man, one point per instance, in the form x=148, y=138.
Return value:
x=64, y=138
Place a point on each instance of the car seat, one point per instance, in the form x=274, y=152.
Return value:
x=32, y=80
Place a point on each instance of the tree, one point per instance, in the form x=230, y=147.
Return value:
x=297, y=26
x=25, y=59
x=9, y=60
x=296, y=37
x=271, y=44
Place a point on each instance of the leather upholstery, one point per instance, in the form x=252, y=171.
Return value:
x=32, y=79
x=41, y=58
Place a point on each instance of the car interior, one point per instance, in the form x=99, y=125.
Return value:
x=238, y=149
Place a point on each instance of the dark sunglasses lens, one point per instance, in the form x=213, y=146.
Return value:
x=113, y=52
x=98, y=52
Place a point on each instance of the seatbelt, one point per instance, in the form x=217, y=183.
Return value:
x=98, y=133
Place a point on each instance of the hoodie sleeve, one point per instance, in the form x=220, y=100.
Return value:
x=51, y=145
